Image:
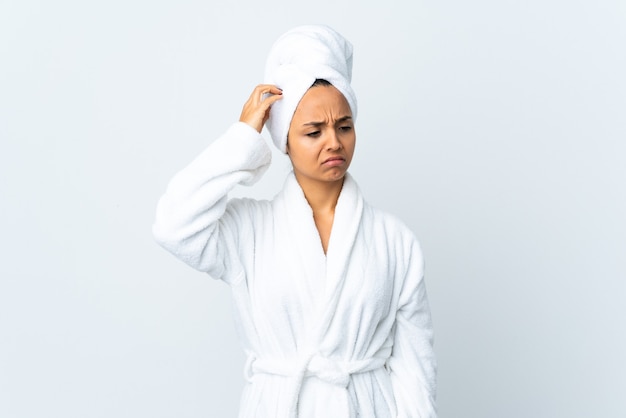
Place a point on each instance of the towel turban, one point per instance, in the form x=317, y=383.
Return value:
x=296, y=60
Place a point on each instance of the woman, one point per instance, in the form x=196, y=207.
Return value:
x=329, y=292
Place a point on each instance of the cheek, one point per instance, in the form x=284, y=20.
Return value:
x=297, y=153
x=350, y=146
x=305, y=149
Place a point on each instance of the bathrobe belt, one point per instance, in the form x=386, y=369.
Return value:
x=335, y=372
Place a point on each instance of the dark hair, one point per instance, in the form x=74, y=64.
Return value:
x=321, y=82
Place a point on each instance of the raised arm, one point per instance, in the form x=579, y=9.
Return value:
x=193, y=219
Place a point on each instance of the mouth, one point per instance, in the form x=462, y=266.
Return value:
x=334, y=162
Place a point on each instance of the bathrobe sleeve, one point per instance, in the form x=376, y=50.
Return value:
x=412, y=363
x=194, y=219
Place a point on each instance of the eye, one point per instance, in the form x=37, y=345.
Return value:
x=313, y=134
x=346, y=128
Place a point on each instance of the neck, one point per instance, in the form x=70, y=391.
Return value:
x=321, y=196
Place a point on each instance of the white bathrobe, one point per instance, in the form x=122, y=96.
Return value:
x=342, y=334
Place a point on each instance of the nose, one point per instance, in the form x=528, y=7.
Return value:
x=333, y=143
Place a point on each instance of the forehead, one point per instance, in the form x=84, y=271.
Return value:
x=321, y=102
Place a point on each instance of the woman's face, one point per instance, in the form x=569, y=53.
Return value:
x=321, y=136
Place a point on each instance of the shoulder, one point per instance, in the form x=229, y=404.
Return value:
x=386, y=225
x=393, y=231
x=392, y=223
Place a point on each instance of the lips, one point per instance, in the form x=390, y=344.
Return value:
x=331, y=159
x=334, y=161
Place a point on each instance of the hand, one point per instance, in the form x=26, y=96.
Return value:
x=257, y=109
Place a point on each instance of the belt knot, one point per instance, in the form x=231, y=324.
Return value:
x=333, y=371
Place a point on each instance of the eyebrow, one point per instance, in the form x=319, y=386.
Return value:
x=340, y=120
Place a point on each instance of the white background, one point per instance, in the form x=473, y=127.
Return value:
x=495, y=129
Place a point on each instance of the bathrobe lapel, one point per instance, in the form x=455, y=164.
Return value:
x=324, y=274
x=306, y=252
x=348, y=213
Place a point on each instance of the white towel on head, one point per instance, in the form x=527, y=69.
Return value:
x=299, y=57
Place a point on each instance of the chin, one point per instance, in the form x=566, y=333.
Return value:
x=336, y=176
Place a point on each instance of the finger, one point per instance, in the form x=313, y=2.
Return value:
x=267, y=102
x=262, y=91
x=265, y=88
x=270, y=100
x=275, y=90
x=256, y=109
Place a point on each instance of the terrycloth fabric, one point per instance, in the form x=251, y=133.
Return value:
x=296, y=59
x=343, y=334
